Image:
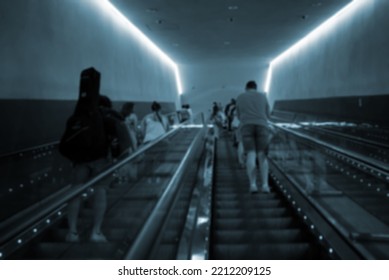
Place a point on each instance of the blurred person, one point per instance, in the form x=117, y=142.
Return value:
x=131, y=120
x=253, y=113
x=217, y=118
x=229, y=113
x=155, y=124
x=186, y=113
x=87, y=143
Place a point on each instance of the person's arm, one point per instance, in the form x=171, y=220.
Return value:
x=267, y=110
x=237, y=111
x=226, y=109
x=143, y=127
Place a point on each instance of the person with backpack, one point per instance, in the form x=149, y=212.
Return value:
x=88, y=142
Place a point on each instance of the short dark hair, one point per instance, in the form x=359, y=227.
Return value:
x=155, y=106
x=251, y=85
x=127, y=108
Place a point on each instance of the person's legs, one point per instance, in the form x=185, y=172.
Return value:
x=240, y=149
x=99, y=204
x=241, y=156
x=79, y=176
x=99, y=207
x=251, y=171
x=73, y=210
x=249, y=147
x=263, y=171
x=262, y=139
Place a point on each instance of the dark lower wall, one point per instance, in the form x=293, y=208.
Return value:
x=28, y=123
x=352, y=108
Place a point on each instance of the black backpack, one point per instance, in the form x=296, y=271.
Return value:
x=84, y=139
x=118, y=133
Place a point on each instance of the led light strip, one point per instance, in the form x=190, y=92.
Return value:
x=117, y=15
x=326, y=26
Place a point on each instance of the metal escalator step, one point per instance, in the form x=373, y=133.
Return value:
x=112, y=234
x=251, y=213
x=171, y=236
x=165, y=252
x=77, y=251
x=246, y=204
x=243, y=195
x=258, y=236
x=281, y=251
x=255, y=224
x=48, y=251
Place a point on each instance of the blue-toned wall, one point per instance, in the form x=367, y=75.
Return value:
x=44, y=45
x=350, y=60
x=218, y=82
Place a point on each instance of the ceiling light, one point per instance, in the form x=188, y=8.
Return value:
x=232, y=8
x=151, y=10
x=120, y=18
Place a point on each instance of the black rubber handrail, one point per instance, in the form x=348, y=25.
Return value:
x=372, y=164
x=47, y=145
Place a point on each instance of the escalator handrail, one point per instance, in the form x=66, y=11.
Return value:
x=355, y=156
x=352, y=138
x=195, y=238
x=337, y=234
x=17, y=223
x=48, y=145
x=151, y=228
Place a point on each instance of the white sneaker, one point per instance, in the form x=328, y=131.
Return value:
x=265, y=189
x=72, y=237
x=253, y=189
x=98, y=237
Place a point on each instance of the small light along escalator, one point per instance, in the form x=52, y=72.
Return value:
x=254, y=226
x=131, y=199
x=352, y=191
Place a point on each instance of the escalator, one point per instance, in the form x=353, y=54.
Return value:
x=254, y=226
x=134, y=190
x=352, y=192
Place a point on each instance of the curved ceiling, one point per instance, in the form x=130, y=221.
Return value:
x=226, y=31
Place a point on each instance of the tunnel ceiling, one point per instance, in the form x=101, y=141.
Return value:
x=230, y=31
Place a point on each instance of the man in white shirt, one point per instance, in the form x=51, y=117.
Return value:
x=253, y=112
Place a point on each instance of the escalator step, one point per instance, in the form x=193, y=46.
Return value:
x=285, y=251
x=251, y=213
x=77, y=251
x=255, y=224
x=249, y=203
x=245, y=195
x=258, y=236
x=165, y=252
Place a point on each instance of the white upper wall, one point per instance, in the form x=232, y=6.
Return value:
x=350, y=59
x=45, y=44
